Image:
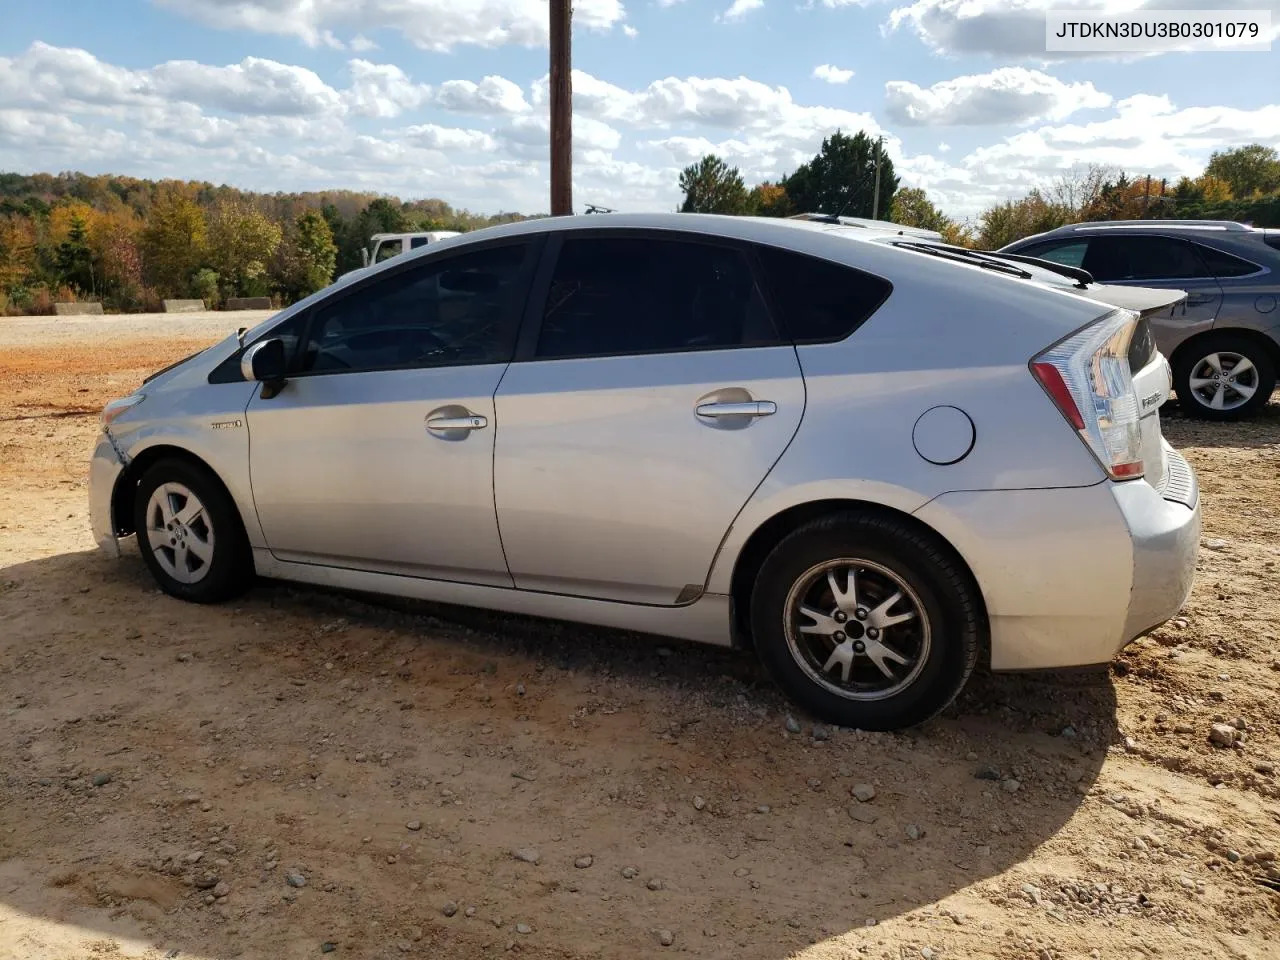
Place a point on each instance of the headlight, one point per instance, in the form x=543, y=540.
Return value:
x=117, y=407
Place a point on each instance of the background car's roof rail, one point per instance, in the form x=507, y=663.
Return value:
x=1221, y=225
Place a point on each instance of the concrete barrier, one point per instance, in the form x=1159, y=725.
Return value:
x=77, y=309
x=248, y=303
x=184, y=306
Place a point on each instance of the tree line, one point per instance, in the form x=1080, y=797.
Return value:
x=131, y=243
x=1242, y=183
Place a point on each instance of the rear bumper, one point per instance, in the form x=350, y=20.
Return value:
x=1071, y=576
x=104, y=470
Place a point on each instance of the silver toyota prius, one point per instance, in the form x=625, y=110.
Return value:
x=872, y=463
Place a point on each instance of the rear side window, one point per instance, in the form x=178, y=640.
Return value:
x=1115, y=258
x=819, y=301
x=1224, y=264
x=1069, y=253
x=636, y=295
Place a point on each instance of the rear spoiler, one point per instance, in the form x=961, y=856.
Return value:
x=1145, y=301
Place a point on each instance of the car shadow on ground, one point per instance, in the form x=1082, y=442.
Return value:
x=440, y=776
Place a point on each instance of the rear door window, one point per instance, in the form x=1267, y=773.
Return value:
x=1117, y=258
x=621, y=296
x=819, y=301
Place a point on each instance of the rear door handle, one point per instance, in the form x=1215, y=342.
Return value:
x=753, y=408
x=1196, y=299
x=470, y=422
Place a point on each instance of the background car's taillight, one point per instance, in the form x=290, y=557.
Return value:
x=1088, y=378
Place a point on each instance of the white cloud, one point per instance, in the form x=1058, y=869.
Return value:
x=253, y=86
x=492, y=95
x=382, y=90
x=832, y=74
x=944, y=147
x=439, y=25
x=630, y=31
x=1007, y=95
x=739, y=9
x=1016, y=28
x=362, y=44
x=435, y=137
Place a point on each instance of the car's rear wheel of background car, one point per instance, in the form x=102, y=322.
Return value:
x=190, y=534
x=866, y=621
x=1224, y=377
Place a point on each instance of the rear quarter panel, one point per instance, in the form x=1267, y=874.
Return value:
x=948, y=335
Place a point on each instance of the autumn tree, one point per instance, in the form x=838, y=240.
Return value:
x=242, y=242
x=17, y=253
x=1006, y=222
x=912, y=207
x=1250, y=170
x=173, y=243
x=841, y=179
x=769, y=200
x=712, y=186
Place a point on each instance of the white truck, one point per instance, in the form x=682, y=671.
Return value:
x=388, y=245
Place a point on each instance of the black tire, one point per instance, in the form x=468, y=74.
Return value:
x=229, y=569
x=1193, y=357
x=943, y=588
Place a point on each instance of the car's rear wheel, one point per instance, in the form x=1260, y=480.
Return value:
x=1224, y=377
x=866, y=621
x=189, y=533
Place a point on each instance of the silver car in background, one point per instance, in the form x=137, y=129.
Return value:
x=1224, y=343
x=871, y=464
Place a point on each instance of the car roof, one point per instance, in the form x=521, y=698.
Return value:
x=1218, y=229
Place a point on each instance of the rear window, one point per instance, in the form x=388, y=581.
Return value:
x=1224, y=264
x=820, y=301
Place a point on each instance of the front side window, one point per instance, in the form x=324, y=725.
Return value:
x=450, y=312
x=1116, y=258
x=623, y=296
x=1069, y=253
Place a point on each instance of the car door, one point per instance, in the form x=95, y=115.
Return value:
x=1165, y=262
x=651, y=395
x=378, y=452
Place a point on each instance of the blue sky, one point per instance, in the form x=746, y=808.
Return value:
x=445, y=97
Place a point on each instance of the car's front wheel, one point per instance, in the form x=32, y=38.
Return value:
x=866, y=621
x=1224, y=377
x=189, y=533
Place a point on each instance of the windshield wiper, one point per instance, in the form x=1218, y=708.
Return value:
x=963, y=255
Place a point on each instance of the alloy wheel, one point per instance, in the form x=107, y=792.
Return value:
x=1224, y=380
x=857, y=629
x=179, y=532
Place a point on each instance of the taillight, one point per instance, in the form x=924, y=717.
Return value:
x=1088, y=378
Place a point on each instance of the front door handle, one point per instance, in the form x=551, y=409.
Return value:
x=752, y=408
x=471, y=421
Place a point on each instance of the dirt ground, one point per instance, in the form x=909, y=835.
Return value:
x=301, y=773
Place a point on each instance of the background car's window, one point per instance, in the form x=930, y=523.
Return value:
x=1069, y=253
x=819, y=301
x=389, y=249
x=416, y=242
x=638, y=295
x=459, y=310
x=1224, y=264
x=1115, y=258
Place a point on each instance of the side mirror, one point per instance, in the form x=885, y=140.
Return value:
x=265, y=361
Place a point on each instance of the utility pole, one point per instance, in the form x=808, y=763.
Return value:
x=875, y=197
x=561, y=109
